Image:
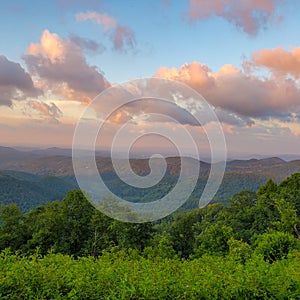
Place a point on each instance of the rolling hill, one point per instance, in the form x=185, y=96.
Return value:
x=29, y=190
x=39, y=176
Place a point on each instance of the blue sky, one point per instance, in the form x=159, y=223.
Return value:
x=164, y=35
x=187, y=41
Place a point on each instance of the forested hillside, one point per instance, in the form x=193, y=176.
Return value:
x=29, y=190
x=249, y=249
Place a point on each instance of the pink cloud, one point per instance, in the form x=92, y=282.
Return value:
x=194, y=74
x=104, y=20
x=49, y=110
x=279, y=61
x=249, y=15
x=235, y=91
x=121, y=36
x=61, y=68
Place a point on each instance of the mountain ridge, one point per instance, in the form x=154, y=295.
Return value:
x=32, y=179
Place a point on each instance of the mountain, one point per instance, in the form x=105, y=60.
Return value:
x=53, y=151
x=38, y=176
x=273, y=167
x=30, y=190
x=60, y=165
x=8, y=154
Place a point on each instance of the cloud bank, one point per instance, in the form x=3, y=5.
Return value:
x=240, y=93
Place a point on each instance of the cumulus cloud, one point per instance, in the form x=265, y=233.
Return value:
x=243, y=94
x=194, y=74
x=61, y=67
x=122, y=37
x=278, y=60
x=249, y=15
x=15, y=82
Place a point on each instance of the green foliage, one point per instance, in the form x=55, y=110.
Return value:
x=29, y=191
x=213, y=240
x=288, y=217
x=131, y=235
x=11, y=230
x=163, y=249
x=243, y=216
x=44, y=227
x=181, y=231
x=275, y=245
x=290, y=191
x=239, y=250
x=118, y=275
x=249, y=249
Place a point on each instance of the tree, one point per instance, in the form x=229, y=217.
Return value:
x=275, y=245
x=243, y=200
x=101, y=236
x=290, y=191
x=77, y=213
x=131, y=235
x=213, y=240
x=288, y=217
x=12, y=234
x=238, y=250
x=45, y=228
x=244, y=216
x=267, y=193
x=181, y=231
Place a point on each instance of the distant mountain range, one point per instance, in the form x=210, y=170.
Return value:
x=31, y=178
x=58, y=162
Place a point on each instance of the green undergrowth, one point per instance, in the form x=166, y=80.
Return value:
x=130, y=275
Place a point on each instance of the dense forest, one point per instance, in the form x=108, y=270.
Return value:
x=31, y=190
x=247, y=249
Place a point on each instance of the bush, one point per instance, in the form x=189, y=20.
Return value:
x=117, y=275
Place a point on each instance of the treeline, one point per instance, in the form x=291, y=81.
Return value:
x=259, y=222
x=249, y=249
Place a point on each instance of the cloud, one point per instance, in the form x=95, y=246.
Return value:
x=279, y=61
x=103, y=20
x=196, y=75
x=243, y=94
x=62, y=69
x=15, y=82
x=87, y=44
x=233, y=119
x=122, y=37
x=248, y=15
x=143, y=110
x=48, y=110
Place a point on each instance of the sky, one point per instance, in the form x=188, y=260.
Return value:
x=243, y=57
